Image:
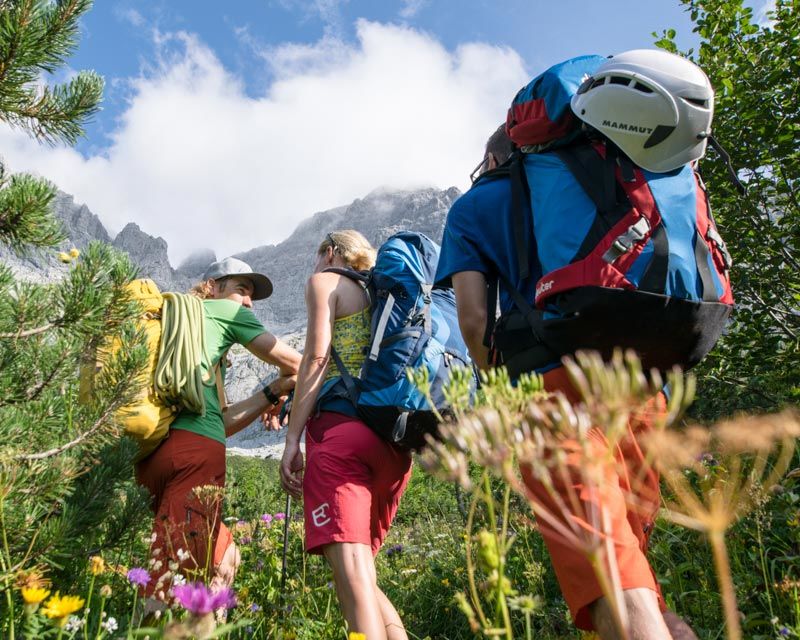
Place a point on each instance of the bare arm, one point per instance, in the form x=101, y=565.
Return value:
x=470, y=289
x=270, y=349
x=321, y=305
x=240, y=414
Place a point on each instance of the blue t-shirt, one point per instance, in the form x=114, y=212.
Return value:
x=479, y=236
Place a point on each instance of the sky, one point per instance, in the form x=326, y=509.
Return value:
x=224, y=124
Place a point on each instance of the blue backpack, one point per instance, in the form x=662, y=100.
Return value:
x=414, y=324
x=623, y=257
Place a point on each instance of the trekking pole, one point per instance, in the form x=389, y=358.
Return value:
x=287, y=407
x=285, y=543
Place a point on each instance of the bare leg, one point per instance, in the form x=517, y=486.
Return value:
x=644, y=617
x=391, y=619
x=356, y=588
x=678, y=628
x=225, y=571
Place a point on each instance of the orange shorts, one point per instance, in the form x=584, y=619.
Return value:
x=630, y=493
x=187, y=527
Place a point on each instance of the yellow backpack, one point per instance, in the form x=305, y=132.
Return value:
x=174, y=327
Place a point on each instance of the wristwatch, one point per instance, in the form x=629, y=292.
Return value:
x=269, y=395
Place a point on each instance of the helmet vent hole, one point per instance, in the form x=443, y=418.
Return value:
x=700, y=102
x=619, y=80
x=642, y=87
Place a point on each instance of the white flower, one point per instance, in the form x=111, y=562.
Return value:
x=183, y=555
x=178, y=580
x=74, y=623
x=110, y=625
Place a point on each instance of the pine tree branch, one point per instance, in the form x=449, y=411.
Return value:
x=28, y=332
x=101, y=421
x=33, y=392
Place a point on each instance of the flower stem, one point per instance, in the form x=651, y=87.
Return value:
x=723, y=568
x=6, y=566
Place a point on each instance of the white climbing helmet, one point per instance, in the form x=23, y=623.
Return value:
x=654, y=105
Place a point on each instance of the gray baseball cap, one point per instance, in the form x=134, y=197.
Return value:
x=262, y=287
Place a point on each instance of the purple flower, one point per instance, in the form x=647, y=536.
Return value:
x=245, y=540
x=280, y=516
x=784, y=631
x=266, y=518
x=394, y=550
x=254, y=607
x=199, y=600
x=138, y=576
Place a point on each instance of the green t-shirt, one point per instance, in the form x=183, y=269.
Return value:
x=226, y=323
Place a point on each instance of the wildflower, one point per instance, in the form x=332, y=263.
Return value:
x=97, y=565
x=60, y=607
x=110, y=625
x=183, y=555
x=33, y=579
x=138, y=576
x=178, y=580
x=34, y=595
x=105, y=591
x=394, y=550
x=74, y=623
x=199, y=600
x=74, y=253
x=445, y=582
x=64, y=257
x=245, y=540
x=254, y=607
x=354, y=635
x=280, y=516
x=266, y=518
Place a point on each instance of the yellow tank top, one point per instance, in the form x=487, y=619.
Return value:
x=350, y=339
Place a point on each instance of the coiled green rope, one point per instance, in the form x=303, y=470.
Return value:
x=181, y=352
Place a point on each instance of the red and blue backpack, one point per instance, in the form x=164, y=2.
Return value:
x=626, y=257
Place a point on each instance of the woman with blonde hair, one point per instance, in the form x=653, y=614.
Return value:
x=352, y=480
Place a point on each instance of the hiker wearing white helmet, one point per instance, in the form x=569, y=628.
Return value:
x=596, y=234
x=188, y=528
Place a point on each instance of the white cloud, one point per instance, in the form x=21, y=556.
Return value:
x=411, y=8
x=761, y=14
x=196, y=160
x=130, y=15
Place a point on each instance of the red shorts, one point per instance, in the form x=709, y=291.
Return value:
x=352, y=483
x=631, y=495
x=185, y=520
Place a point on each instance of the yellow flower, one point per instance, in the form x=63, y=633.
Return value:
x=354, y=635
x=34, y=595
x=74, y=253
x=97, y=565
x=61, y=607
x=445, y=582
x=64, y=257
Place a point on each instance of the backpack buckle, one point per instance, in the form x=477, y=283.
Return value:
x=626, y=241
x=714, y=237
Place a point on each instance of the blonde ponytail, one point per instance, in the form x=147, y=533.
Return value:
x=352, y=246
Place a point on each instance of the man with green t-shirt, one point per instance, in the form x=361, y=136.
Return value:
x=186, y=473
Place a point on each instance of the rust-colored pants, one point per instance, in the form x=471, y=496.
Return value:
x=185, y=476
x=629, y=492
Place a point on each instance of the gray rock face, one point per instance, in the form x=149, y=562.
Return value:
x=378, y=216
x=288, y=264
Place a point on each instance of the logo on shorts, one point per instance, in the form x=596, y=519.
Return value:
x=320, y=515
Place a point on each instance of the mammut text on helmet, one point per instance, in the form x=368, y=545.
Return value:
x=627, y=126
